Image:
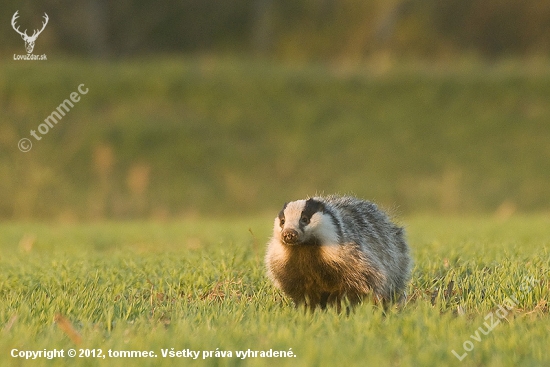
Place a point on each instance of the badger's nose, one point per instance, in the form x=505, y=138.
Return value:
x=290, y=236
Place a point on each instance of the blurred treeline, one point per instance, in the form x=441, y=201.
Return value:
x=286, y=29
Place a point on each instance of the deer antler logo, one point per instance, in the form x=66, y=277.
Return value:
x=29, y=41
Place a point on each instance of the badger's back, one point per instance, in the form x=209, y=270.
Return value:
x=327, y=248
x=382, y=242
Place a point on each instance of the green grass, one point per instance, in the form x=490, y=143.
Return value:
x=175, y=137
x=200, y=285
x=174, y=140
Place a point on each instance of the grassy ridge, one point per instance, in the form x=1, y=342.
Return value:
x=200, y=285
x=171, y=137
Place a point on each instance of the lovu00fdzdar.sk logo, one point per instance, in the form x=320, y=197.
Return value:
x=29, y=40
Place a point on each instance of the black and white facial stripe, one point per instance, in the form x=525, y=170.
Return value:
x=312, y=206
x=281, y=216
x=308, y=222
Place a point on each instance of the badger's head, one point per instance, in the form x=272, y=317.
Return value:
x=306, y=222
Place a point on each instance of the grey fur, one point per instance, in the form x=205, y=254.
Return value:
x=347, y=248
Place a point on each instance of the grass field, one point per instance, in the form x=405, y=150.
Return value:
x=200, y=285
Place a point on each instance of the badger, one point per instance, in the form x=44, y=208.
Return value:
x=326, y=250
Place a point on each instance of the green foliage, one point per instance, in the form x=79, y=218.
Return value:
x=201, y=285
x=179, y=137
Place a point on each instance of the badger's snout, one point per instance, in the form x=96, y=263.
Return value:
x=290, y=236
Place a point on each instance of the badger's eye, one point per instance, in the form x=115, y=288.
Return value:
x=282, y=221
x=304, y=220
